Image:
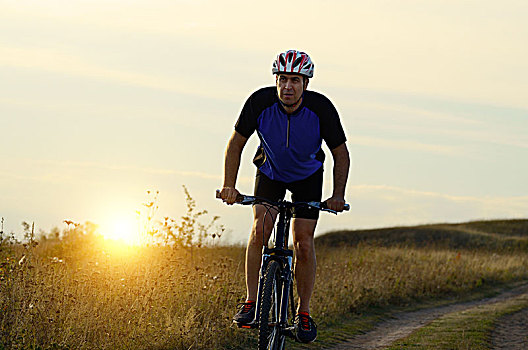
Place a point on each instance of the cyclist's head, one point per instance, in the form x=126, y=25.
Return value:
x=293, y=70
x=290, y=88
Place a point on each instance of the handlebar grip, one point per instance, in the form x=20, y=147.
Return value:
x=239, y=197
x=345, y=208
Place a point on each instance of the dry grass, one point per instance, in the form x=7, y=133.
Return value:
x=85, y=294
x=353, y=278
x=132, y=298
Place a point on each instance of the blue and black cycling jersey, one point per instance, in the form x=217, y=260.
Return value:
x=290, y=144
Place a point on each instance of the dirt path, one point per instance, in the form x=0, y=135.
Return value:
x=511, y=332
x=403, y=324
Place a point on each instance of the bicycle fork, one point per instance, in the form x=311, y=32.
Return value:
x=285, y=258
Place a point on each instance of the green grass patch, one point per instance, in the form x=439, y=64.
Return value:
x=468, y=329
x=346, y=326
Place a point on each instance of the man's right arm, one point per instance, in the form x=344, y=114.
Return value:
x=231, y=165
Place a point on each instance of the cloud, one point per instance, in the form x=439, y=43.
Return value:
x=60, y=61
x=463, y=126
x=59, y=165
x=58, y=172
x=445, y=49
x=382, y=205
x=429, y=194
x=406, y=145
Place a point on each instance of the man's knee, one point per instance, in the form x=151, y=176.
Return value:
x=304, y=247
x=303, y=237
x=262, y=225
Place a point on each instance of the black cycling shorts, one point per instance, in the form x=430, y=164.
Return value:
x=306, y=190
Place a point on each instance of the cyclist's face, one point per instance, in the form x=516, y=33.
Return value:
x=289, y=87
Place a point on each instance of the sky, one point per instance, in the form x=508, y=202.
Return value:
x=101, y=101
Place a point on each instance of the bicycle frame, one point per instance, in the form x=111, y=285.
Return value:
x=284, y=256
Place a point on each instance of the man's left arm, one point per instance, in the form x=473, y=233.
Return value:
x=341, y=168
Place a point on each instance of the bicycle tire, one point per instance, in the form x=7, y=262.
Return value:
x=270, y=337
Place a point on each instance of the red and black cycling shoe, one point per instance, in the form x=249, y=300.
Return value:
x=305, y=328
x=246, y=313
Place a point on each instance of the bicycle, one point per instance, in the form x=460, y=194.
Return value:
x=275, y=288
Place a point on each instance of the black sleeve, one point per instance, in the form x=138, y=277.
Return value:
x=255, y=104
x=247, y=121
x=331, y=129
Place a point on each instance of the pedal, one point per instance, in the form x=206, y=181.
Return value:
x=246, y=325
x=289, y=332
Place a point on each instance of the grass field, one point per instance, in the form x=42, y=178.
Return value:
x=84, y=293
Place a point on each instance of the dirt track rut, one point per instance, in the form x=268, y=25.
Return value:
x=512, y=329
x=512, y=332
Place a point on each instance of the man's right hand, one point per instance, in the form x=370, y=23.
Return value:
x=229, y=195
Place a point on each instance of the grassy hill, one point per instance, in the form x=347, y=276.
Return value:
x=82, y=293
x=503, y=235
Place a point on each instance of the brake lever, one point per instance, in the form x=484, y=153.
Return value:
x=246, y=200
x=322, y=207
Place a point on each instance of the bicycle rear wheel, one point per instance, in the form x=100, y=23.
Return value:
x=270, y=335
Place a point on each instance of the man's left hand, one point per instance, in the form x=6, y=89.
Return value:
x=335, y=203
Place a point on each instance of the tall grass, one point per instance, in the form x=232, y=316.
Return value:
x=352, y=279
x=84, y=293
x=120, y=298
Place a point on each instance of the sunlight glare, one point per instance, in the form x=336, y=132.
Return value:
x=123, y=230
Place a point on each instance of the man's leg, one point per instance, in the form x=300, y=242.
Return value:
x=246, y=313
x=254, y=247
x=263, y=221
x=305, y=261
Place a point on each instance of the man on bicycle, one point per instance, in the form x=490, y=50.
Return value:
x=291, y=123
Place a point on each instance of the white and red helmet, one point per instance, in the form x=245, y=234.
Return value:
x=293, y=61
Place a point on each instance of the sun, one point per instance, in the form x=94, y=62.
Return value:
x=124, y=230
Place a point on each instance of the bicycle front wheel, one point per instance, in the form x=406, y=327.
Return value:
x=270, y=335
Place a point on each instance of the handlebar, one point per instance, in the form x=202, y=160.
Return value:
x=250, y=200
